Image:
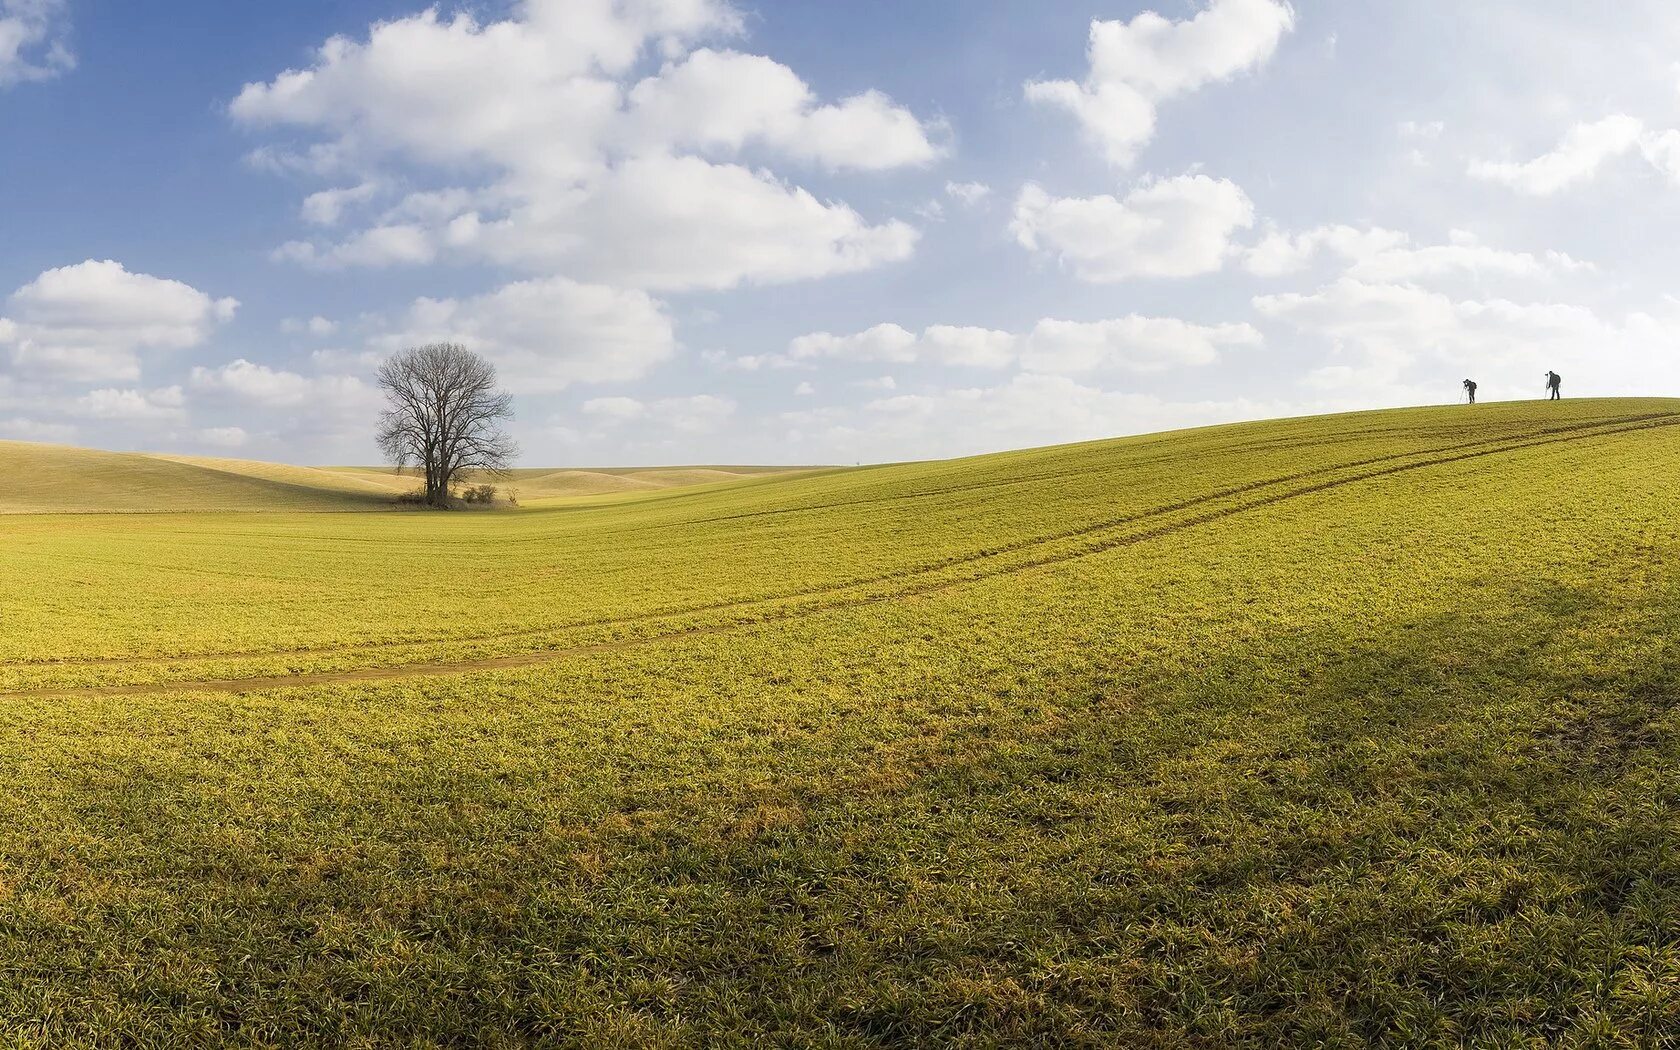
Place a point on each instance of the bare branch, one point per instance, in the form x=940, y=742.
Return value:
x=444, y=414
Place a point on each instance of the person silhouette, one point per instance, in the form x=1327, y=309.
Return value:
x=1554, y=385
x=1470, y=390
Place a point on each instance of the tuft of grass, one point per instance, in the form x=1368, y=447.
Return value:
x=1340, y=731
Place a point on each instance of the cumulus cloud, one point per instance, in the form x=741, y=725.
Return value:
x=969, y=194
x=1132, y=343
x=1177, y=227
x=1575, y=159
x=699, y=414
x=34, y=40
x=1136, y=65
x=320, y=327
x=1137, y=344
x=257, y=384
x=92, y=321
x=545, y=335
x=884, y=342
x=222, y=437
x=379, y=246
x=1387, y=331
x=640, y=184
x=1377, y=254
x=1583, y=152
x=721, y=102
x=167, y=404
x=23, y=429
x=965, y=346
x=327, y=207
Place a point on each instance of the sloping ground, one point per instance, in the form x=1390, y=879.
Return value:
x=51, y=479
x=536, y=485
x=1341, y=731
x=55, y=479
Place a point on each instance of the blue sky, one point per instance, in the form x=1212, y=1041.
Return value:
x=688, y=230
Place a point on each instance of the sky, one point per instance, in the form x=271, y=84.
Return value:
x=703, y=231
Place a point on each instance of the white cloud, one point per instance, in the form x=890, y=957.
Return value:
x=1577, y=158
x=725, y=101
x=20, y=429
x=1137, y=344
x=969, y=194
x=939, y=344
x=878, y=383
x=34, y=40
x=315, y=326
x=1422, y=129
x=968, y=345
x=91, y=321
x=166, y=404
x=671, y=223
x=1281, y=253
x=1383, y=255
x=1394, y=331
x=615, y=409
x=804, y=390
x=545, y=335
x=884, y=342
x=379, y=246
x=257, y=384
x=700, y=414
x=1132, y=343
x=346, y=361
x=588, y=174
x=685, y=223
x=222, y=437
x=1136, y=65
x=1177, y=227
x=326, y=207
x=1662, y=150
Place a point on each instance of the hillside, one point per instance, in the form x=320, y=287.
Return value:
x=1333, y=731
x=56, y=479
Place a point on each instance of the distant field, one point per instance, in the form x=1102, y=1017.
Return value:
x=49, y=479
x=1335, y=731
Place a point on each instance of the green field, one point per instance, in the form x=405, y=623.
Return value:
x=1338, y=731
x=53, y=479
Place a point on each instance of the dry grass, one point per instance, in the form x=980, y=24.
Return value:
x=1346, y=731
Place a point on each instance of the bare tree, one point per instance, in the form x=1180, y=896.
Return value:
x=444, y=416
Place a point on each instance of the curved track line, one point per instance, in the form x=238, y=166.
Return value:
x=531, y=659
x=1612, y=425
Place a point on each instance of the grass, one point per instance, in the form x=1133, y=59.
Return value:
x=1339, y=731
x=54, y=479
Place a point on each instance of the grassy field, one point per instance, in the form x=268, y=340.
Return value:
x=53, y=479
x=1338, y=731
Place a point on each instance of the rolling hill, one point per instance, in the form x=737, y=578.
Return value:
x=56, y=479
x=1347, y=730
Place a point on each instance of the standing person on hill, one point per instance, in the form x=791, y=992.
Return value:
x=1470, y=390
x=1554, y=384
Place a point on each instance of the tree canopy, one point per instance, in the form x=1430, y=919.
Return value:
x=444, y=414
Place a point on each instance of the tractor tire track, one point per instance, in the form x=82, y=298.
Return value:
x=1585, y=429
x=552, y=655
